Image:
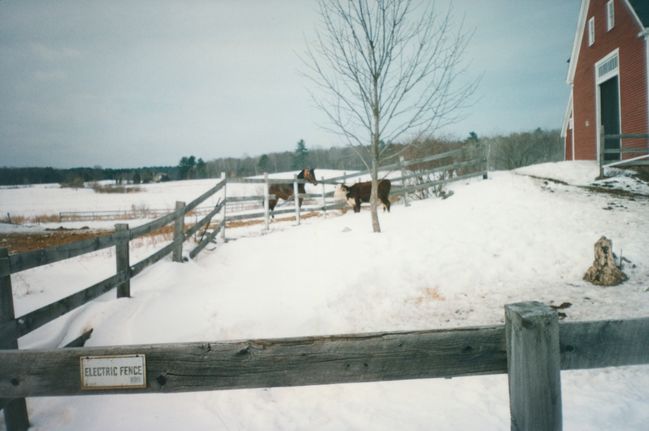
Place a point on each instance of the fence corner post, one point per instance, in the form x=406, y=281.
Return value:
x=533, y=366
x=122, y=259
x=15, y=412
x=179, y=232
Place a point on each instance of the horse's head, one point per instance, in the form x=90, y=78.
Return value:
x=308, y=174
x=342, y=194
x=342, y=191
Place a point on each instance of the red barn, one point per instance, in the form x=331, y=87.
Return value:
x=609, y=82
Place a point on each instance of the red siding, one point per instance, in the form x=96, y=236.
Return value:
x=632, y=77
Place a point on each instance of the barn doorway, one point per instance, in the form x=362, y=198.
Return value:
x=609, y=102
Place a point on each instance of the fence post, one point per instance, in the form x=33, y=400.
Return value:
x=602, y=149
x=15, y=412
x=533, y=366
x=225, y=204
x=296, y=199
x=266, y=204
x=122, y=259
x=324, y=198
x=487, y=151
x=179, y=233
x=403, y=181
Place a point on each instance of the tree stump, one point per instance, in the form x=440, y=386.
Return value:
x=604, y=271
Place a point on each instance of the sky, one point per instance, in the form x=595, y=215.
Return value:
x=144, y=83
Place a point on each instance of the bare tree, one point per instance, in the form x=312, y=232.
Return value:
x=387, y=68
x=526, y=148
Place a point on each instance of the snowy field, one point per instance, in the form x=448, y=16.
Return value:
x=437, y=264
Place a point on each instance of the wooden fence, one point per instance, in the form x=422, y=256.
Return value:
x=454, y=165
x=12, y=327
x=121, y=214
x=532, y=348
x=638, y=154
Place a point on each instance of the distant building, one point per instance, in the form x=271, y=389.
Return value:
x=609, y=80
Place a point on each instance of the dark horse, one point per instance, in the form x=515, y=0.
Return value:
x=360, y=192
x=285, y=191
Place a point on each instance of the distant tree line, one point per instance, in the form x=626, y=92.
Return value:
x=343, y=158
x=505, y=152
x=39, y=175
x=524, y=148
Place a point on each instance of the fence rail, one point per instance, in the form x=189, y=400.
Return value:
x=187, y=367
x=347, y=358
x=120, y=214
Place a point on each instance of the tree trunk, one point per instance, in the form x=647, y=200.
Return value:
x=604, y=271
x=376, y=227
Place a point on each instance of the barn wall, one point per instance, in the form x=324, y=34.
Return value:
x=632, y=76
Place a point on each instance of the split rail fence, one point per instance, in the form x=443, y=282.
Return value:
x=12, y=328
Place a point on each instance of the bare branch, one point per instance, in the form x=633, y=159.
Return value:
x=387, y=69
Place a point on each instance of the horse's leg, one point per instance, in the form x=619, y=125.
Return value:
x=357, y=205
x=271, y=207
x=386, y=202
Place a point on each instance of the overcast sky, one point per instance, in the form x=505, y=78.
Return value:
x=142, y=83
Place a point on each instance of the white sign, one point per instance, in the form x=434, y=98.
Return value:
x=113, y=372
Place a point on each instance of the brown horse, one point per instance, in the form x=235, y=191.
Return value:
x=285, y=191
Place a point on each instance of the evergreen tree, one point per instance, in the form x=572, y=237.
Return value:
x=300, y=155
x=187, y=167
x=263, y=163
x=473, y=138
x=201, y=168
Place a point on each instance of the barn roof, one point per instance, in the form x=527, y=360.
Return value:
x=641, y=8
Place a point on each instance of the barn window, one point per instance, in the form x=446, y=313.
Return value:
x=607, y=67
x=591, y=31
x=610, y=15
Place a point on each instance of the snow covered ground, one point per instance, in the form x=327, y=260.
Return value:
x=437, y=264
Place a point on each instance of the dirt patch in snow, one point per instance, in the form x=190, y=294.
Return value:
x=21, y=242
x=617, y=192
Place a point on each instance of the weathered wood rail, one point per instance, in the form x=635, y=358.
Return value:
x=633, y=154
x=120, y=214
x=12, y=327
x=532, y=348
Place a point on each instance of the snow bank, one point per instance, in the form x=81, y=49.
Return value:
x=577, y=173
